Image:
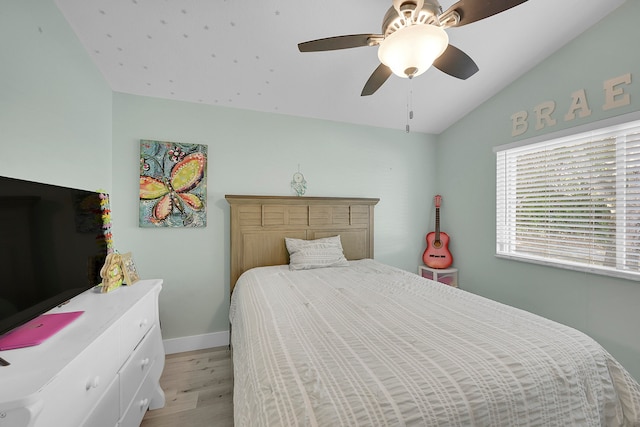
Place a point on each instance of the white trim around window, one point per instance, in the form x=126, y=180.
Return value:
x=572, y=199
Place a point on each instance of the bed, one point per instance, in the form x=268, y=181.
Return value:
x=357, y=342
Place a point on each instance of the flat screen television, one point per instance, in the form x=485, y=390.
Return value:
x=52, y=247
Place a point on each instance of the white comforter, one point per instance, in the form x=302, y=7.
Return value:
x=372, y=345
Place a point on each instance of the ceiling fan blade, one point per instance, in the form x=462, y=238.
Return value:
x=335, y=43
x=475, y=10
x=379, y=76
x=456, y=63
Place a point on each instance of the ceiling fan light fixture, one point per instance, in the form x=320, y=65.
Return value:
x=410, y=51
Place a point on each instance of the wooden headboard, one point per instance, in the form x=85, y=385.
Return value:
x=259, y=225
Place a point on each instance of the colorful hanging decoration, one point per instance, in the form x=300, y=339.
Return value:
x=105, y=213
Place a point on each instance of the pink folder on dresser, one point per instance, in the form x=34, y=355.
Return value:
x=37, y=330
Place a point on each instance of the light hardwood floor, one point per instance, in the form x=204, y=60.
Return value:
x=198, y=386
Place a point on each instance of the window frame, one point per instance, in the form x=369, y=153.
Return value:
x=566, y=135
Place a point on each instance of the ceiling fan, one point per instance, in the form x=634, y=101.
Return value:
x=413, y=38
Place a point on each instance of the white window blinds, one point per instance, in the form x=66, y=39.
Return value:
x=573, y=202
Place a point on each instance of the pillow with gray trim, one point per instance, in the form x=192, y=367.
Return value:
x=318, y=253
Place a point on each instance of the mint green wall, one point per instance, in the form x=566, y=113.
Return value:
x=56, y=126
x=257, y=153
x=56, y=121
x=605, y=308
x=55, y=106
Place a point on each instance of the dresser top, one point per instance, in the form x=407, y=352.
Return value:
x=32, y=368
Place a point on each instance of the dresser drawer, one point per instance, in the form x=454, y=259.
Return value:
x=136, y=323
x=107, y=411
x=133, y=416
x=102, y=371
x=77, y=388
x=137, y=367
x=20, y=416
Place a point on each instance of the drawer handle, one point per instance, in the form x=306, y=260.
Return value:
x=144, y=362
x=143, y=404
x=144, y=322
x=93, y=383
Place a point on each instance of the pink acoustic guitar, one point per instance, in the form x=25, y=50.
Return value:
x=437, y=254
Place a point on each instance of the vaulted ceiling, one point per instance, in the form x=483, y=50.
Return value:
x=243, y=54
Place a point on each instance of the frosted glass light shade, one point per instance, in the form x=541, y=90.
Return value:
x=412, y=50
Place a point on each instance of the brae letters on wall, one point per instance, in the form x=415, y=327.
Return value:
x=614, y=97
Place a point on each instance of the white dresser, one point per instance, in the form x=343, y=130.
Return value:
x=103, y=369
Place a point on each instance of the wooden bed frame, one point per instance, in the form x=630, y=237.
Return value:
x=259, y=225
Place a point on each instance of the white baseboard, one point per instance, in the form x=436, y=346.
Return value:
x=196, y=342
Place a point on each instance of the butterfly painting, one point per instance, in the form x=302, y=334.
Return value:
x=172, y=184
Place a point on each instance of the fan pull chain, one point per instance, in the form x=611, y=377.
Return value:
x=409, y=104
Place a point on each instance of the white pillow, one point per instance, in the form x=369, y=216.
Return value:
x=308, y=254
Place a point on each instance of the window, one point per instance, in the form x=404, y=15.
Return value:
x=572, y=202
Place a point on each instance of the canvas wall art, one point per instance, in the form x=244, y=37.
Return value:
x=173, y=184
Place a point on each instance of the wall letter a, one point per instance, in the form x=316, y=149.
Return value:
x=578, y=103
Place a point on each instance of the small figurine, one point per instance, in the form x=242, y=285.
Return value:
x=111, y=272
